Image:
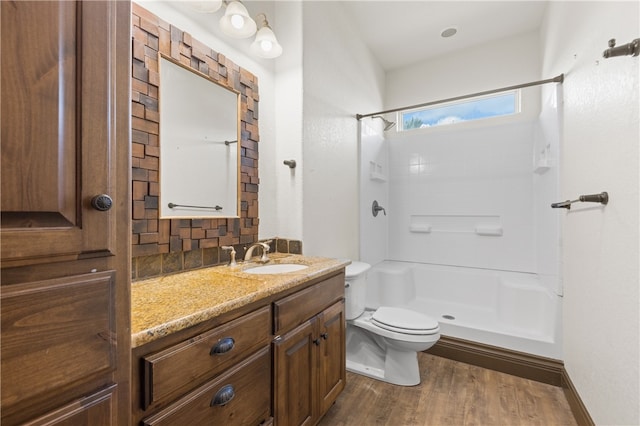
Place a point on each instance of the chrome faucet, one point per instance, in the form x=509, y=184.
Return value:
x=265, y=250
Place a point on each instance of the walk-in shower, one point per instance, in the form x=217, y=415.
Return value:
x=470, y=237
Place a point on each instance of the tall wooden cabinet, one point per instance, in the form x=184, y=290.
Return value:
x=65, y=197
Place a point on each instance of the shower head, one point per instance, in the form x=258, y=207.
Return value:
x=387, y=124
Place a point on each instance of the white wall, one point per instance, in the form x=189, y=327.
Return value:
x=281, y=201
x=505, y=62
x=341, y=79
x=600, y=244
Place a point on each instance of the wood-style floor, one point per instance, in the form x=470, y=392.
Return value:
x=451, y=393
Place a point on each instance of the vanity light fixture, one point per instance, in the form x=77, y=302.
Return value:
x=265, y=45
x=236, y=21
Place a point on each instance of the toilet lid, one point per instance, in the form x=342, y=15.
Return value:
x=356, y=268
x=404, y=321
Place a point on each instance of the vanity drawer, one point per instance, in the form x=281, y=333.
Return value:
x=248, y=391
x=176, y=370
x=295, y=309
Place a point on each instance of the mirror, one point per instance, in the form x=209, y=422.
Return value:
x=199, y=145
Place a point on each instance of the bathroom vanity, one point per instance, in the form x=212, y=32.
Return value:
x=223, y=345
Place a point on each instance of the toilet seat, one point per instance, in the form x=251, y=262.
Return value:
x=404, y=321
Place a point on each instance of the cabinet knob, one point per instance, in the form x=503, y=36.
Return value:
x=101, y=202
x=223, y=346
x=325, y=336
x=223, y=396
x=316, y=342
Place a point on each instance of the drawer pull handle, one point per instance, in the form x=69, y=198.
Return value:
x=223, y=346
x=223, y=396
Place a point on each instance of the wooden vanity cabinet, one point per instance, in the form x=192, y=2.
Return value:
x=290, y=379
x=309, y=352
x=220, y=375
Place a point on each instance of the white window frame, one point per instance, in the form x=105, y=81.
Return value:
x=517, y=110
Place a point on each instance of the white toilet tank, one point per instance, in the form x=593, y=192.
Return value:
x=355, y=288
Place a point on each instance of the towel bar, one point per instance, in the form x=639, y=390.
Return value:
x=602, y=198
x=172, y=205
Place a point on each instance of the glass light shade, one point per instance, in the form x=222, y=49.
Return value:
x=205, y=6
x=236, y=21
x=265, y=45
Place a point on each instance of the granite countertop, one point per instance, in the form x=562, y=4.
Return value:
x=170, y=303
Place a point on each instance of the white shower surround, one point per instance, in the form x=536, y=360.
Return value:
x=447, y=190
x=471, y=233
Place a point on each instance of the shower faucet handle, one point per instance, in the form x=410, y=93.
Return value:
x=376, y=208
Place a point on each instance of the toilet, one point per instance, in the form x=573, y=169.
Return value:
x=384, y=343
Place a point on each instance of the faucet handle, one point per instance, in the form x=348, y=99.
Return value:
x=265, y=250
x=232, y=261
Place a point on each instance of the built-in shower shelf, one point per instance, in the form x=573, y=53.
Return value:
x=378, y=176
x=542, y=166
x=375, y=172
x=482, y=225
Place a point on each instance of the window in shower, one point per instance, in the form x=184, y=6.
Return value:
x=495, y=105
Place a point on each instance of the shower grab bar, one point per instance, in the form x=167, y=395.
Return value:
x=602, y=198
x=172, y=205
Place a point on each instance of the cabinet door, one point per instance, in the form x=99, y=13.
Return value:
x=332, y=361
x=295, y=376
x=58, y=138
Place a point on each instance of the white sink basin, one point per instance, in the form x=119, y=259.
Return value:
x=276, y=268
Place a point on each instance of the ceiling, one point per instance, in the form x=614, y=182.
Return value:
x=400, y=33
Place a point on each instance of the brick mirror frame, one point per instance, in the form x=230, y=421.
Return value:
x=169, y=245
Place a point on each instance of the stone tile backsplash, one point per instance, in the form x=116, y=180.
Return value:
x=169, y=263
